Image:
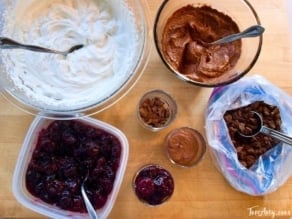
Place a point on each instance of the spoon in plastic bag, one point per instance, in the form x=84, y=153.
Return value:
x=260, y=128
x=252, y=31
x=7, y=43
x=90, y=209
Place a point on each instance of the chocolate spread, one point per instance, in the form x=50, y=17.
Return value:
x=183, y=47
x=185, y=146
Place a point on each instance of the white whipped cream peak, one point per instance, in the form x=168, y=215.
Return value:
x=85, y=76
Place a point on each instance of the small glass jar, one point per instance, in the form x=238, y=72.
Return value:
x=185, y=146
x=153, y=185
x=156, y=110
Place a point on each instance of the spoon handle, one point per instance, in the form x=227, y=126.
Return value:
x=252, y=31
x=91, y=211
x=277, y=135
x=6, y=43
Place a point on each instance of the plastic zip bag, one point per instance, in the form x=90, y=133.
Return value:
x=273, y=168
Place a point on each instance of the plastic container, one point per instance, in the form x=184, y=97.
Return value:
x=25, y=198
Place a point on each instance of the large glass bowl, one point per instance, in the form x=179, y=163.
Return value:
x=140, y=53
x=241, y=12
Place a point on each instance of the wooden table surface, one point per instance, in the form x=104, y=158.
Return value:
x=200, y=192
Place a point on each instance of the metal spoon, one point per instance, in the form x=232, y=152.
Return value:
x=90, y=209
x=252, y=31
x=267, y=131
x=7, y=43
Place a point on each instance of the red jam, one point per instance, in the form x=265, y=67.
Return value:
x=153, y=185
x=63, y=154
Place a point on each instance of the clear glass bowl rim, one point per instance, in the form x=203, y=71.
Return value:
x=197, y=83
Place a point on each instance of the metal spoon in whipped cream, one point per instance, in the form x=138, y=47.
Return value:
x=7, y=43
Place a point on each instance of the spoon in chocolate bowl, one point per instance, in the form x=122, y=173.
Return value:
x=251, y=130
x=252, y=31
x=7, y=43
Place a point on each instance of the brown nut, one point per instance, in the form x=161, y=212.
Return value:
x=156, y=110
x=250, y=149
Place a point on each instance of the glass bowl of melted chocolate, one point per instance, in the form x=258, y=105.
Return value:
x=183, y=27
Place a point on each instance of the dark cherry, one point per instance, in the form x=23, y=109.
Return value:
x=153, y=185
x=63, y=154
x=144, y=187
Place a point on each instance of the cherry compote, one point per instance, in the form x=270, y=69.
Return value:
x=63, y=154
x=153, y=184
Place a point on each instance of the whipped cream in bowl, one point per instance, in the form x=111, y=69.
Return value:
x=114, y=35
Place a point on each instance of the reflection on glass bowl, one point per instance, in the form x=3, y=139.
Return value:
x=156, y=110
x=190, y=28
x=115, y=52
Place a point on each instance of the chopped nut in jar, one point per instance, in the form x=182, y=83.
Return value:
x=154, y=111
